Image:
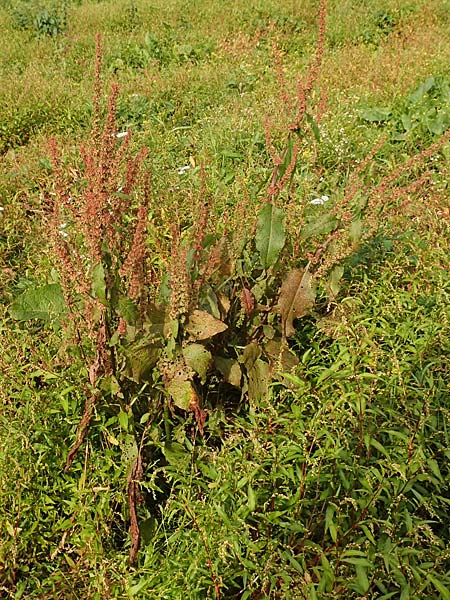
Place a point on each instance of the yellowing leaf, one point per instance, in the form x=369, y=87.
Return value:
x=201, y=325
x=296, y=299
x=280, y=355
x=197, y=357
x=258, y=381
x=229, y=369
x=182, y=392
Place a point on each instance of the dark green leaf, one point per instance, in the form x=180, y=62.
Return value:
x=270, y=234
x=176, y=454
x=440, y=587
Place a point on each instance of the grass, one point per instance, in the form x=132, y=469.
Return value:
x=335, y=485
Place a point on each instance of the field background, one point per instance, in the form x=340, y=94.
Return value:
x=279, y=499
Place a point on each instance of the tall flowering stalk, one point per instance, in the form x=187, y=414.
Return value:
x=98, y=230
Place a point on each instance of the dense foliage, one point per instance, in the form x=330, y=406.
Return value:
x=224, y=311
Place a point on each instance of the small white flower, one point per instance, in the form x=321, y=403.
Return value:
x=319, y=201
x=2, y=208
x=122, y=134
x=182, y=170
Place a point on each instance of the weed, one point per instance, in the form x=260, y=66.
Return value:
x=245, y=453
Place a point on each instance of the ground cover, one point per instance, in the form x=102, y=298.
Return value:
x=284, y=462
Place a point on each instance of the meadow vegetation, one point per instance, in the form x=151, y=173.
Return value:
x=224, y=300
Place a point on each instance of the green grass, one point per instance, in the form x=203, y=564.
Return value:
x=337, y=484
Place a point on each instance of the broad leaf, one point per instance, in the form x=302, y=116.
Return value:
x=319, y=225
x=98, y=283
x=176, y=455
x=376, y=115
x=296, y=299
x=182, y=392
x=198, y=358
x=439, y=123
x=251, y=353
x=333, y=284
x=142, y=357
x=270, y=234
x=423, y=88
x=258, y=380
x=229, y=369
x=201, y=325
x=45, y=303
x=130, y=451
x=128, y=310
x=280, y=355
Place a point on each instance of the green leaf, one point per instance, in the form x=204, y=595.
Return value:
x=406, y=122
x=176, y=454
x=376, y=114
x=358, y=561
x=286, y=160
x=356, y=230
x=368, y=534
x=142, y=357
x=201, y=325
x=318, y=225
x=423, y=88
x=99, y=283
x=329, y=522
x=251, y=498
x=45, y=303
x=440, y=587
x=130, y=451
x=334, y=280
x=361, y=578
x=198, y=358
x=406, y=592
x=439, y=124
x=314, y=126
x=123, y=420
x=128, y=310
x=270, y=234
x=145, y=417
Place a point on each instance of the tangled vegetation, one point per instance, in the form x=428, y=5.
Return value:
x=225, y=301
